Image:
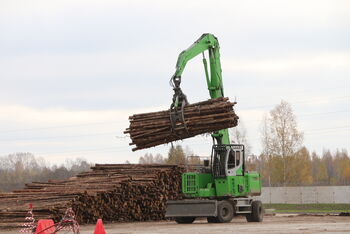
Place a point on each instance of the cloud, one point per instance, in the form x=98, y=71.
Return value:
x=300, y=62
x=59, y=133
x=63, y=66
x=34, y=117
x=65, y=63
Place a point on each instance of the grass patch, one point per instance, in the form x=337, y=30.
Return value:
x=309, y=208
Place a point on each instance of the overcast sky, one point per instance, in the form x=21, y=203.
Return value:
x=71, y=72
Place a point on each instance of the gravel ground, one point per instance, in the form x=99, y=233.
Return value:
x=281, y=223
x=271, y=224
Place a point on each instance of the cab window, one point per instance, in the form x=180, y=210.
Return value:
x=238, y=157
x=231, y=160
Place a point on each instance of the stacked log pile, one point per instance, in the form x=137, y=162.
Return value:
x=113, y=192
x=155, y=128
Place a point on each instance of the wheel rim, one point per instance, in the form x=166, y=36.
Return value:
x=225, y=212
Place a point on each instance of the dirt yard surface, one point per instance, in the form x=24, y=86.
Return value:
x=271, y=224
x=281, y=223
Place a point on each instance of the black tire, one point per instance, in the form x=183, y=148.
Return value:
x=249, y=217
x=212, y=220
x=183, y=220
x=257, y=212
x=225, y=212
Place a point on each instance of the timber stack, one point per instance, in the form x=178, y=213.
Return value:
x=113, y=192
x=156, y=128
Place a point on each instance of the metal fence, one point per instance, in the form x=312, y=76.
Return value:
x=306, y=195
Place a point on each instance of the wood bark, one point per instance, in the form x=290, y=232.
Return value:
x=113, y=192
x=155, y=128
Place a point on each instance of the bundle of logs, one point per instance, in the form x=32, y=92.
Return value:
x=113, y=192
x=156, y=128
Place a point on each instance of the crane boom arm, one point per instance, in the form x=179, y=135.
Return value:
x=214, y=81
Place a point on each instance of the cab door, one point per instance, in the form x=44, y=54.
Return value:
x=235, y=157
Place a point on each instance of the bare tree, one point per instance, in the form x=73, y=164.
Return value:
x=159, y=159
x=18, y=169
x=238, y=135
x=146, y=159
x=280, y=135
x=176, y=155
x=150, y=159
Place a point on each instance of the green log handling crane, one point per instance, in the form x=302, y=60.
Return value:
x=223, y=188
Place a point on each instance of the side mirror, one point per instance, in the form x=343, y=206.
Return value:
x=206, y=162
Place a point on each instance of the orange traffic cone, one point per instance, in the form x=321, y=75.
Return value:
x=99, y=229
x=45, y=226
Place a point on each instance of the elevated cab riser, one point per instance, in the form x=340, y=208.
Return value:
x=204, y=185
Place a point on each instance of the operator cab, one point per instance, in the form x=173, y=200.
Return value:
x=227, y=160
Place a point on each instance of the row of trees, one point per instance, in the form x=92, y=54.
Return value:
x=176, y=155
x=303, y=168
x=20, y=168
x=285, y=161
x=299, y=169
